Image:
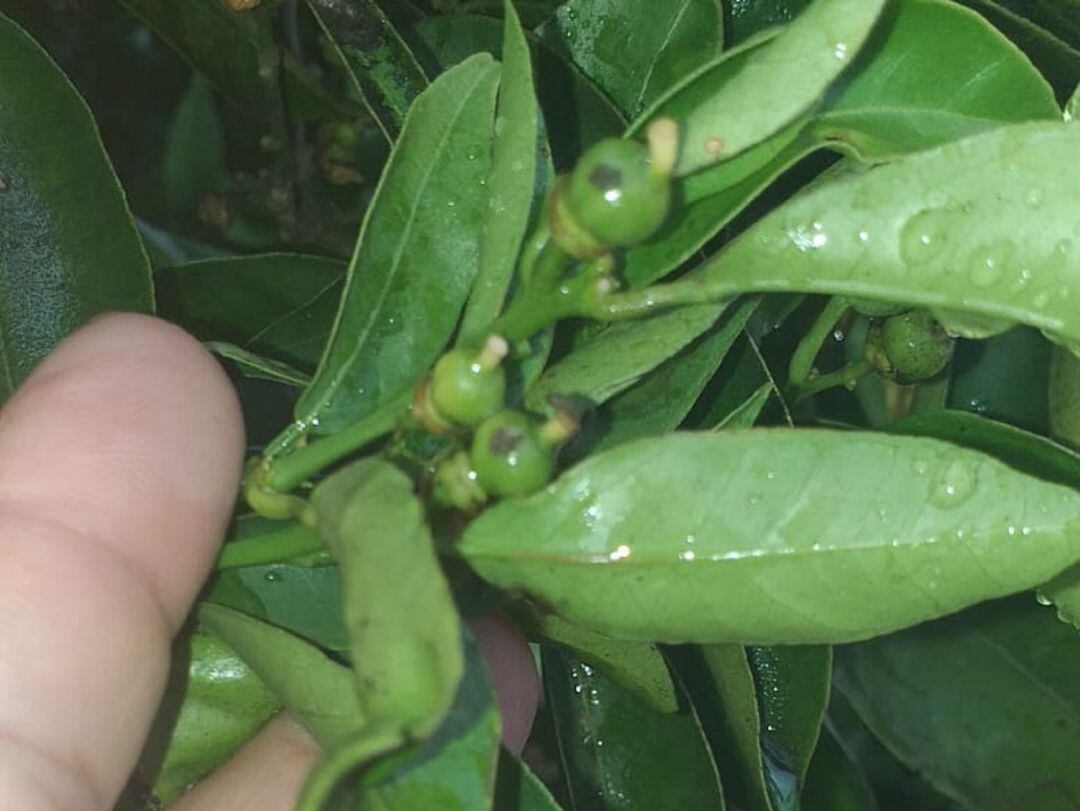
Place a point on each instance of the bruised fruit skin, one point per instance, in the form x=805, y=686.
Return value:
x=510, y=456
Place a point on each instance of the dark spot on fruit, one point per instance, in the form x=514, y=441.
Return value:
x=605, y=176
x=505, y=441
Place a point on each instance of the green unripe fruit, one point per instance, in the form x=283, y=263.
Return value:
x=510, y=456
x=616, y=194
x=464, y=389
x=876, y=309
x=916, y=344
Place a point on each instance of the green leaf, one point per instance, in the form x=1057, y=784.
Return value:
x=278, y=305
x=835, y=782
x=417, y=253
x=212, y=705
x=931, y=229
x=519, y=178
x=637, y=667
x=518, y=789
x=313, y=687
x=793, y=71
x=746, y=414
x=645, y=542
x=69, y=249
x=384, y=71
x=578, y=112
x=1072, y=108
x=1055, y=57
x=985, y=704
x=229, y=48
x=194, y=163
x=619, y=752
x=618, y=356
x=1027, y=452
x=1004, y=377
x=745, y=18
x=454, y=770
x=660, y=401
x=404, y=632
x=1064, y=396
x=886, y=107
x=792, y=684
x=257, y=366
x=634, y=51
x=721, y=688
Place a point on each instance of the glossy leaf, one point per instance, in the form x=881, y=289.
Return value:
x=1072, y=108
x=995, y=721
x=931, y=229
x=793, y=71
x=518, y=181
x=792, y=684
x=620, y=753
x=230, y=47
x=637, y=667
x=404, y=632
x=278, y=305
x=214, y=703
x=835, y=782
x=745, y=18
x=68, y=247
x=617, y=357
x=383, y=69
x=414, y=262
x=660, y=401
x=517, y=788
x=455, y=768
x=635, y=51
x=313, y=687
x=1055, y=57
x=194, y=163
x=1064, y=396
x=1025, y=451
x=1004, y=377
x=721, y=687
x=579, y=113
x=886, y=107
x=635, y=544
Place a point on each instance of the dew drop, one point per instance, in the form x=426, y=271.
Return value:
x=922, y=237
x=1042, y=599
x=1033, y=198
x=955, y=486
x=840, y=51
x=986, y=265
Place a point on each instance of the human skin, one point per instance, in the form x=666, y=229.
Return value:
x=119, y=463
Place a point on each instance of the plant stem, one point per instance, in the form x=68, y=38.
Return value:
x=801, y=366
x=274, y=547
x=844, y=376
x=287, y=471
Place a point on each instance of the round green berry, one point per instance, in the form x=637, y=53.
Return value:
x=876, y=309
x=464, y=389
x=616, y=194
x=509, y=455
x=916, y=344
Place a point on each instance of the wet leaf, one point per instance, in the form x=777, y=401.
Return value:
x=642, y=542
x=414, y=262
x=68, y=246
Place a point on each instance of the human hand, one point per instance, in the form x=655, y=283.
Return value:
x=119, y=462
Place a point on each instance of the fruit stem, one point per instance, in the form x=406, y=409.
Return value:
x=292, y=541
x=491, y=355
x=844, y=376
x=801, y=366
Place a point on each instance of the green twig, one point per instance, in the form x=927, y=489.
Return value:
x=291, y=542
x=845, y=376
x=801, y=366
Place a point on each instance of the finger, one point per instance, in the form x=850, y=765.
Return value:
x=119, y=459
x=265, y=775
x=513, y=673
